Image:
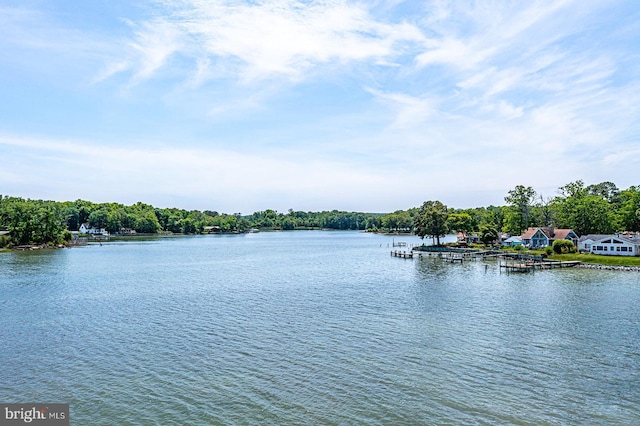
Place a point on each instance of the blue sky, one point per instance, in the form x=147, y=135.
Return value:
x=241, y=106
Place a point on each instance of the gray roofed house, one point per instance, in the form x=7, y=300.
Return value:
x=610, y=244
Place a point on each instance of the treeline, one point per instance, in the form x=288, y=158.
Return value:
x=271, y=219
x=587, y=209
x=51, y=222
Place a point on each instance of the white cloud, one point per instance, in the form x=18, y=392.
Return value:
x=206, y=175
x=409, y=111
x=451, y=51
x=283, y=38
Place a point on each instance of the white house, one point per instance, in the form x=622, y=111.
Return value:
x=611, y=245
x=85, y=229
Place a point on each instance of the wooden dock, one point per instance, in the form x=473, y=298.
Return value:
x=520, y=265
x=402, y=254
x=454, y=257
x=508, y=261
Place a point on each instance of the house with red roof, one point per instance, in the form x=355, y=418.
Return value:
x=543, y=237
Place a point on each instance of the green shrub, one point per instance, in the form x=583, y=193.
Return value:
x=67, y=235
x=548, y=251
x=563, y=246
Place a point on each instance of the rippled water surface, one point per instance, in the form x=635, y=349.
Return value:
x=313, y=328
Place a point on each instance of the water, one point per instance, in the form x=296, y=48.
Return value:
x=313, y=328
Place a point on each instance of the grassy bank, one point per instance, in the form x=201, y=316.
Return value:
x=588, y=258
x=598, y=259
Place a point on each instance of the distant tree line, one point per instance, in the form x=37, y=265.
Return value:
x=51, y=222
x=600, y=208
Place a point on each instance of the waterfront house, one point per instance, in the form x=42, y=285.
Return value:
x=86, y=229
x=464, y=238
x=586, y=241
x=212, y=229
x=610, y=244
x=543, y=237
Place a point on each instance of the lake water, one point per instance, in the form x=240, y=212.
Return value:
x=313, y=328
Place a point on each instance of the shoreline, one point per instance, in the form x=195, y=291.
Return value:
x=601, y=267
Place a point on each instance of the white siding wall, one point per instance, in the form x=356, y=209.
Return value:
x=624, y=249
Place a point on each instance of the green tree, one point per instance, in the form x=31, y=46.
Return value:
x=461, y=222
x=577, y=209
x=492, y=215
x=431, y=220
x=628, y=212
x=146, y=222
x=520, y=198
x=543, y=206
x=563, y=246
x=99, y=218
x=395, y=221
x=607, y=190
x=488, y=234
x=32, y=221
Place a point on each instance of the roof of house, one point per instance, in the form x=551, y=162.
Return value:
x=599, y=237
x=529, y=233
x=558, y=234
x=593, y=237
x=561, y=234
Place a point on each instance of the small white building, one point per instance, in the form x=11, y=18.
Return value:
x=85, y=229
x=611, y=245
x=512, y=241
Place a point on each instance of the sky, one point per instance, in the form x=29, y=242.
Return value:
x=372, y=106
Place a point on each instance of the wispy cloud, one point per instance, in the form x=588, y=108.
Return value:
x=263, y=40
x=152, y=45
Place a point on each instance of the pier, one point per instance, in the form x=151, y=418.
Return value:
x=454, y=257
x=523, y=265
x=508, y=261
x=402, y=254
